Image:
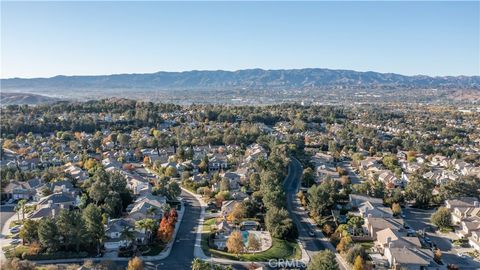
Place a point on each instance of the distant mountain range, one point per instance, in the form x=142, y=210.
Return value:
x=245, y=79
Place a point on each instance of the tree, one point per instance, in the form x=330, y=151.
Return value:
x=396, y=209
x=170, y=171
x=238, y=212
x=92, y=217
x=135, y=264
x=420, y=191
x=354, y=252
x=48, y=234
x=355, y=223
x=224, y=185
x=235, y=243
x=344, y=244
x=323, y=260
x=71, y=227
x=173, y=190
x=320, y=198
x=278, y=223
x=466, y=186
x=21, y=206
x=442, y=218
x=253, y=243
x=358, y=265
x=98, y=191
x=113, y=204
x=254, y=182
x=29, y=231
x=308, y=178
x=166, y=229
x=147, y=224
x=198, y=264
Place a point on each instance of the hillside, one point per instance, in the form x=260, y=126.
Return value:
x=24, y=98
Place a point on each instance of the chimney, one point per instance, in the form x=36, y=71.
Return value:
x=476, y=204
x=54, y=213
x=64, y=188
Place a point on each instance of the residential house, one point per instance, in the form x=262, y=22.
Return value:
x=369, y=206
x=373, y=225
x=114, y=233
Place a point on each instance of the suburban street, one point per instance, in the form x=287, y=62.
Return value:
x=301, y=218
x=418, y=219
x=181, y=254
x=6, y=211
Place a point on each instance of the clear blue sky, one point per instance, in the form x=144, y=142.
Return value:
x=85, y=38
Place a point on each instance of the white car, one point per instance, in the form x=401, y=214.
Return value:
x=461, y=255
x=15, y=242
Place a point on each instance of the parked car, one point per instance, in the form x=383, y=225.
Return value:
x=15, y=242
x=15, y=229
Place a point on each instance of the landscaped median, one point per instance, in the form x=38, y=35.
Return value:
x=280, y=249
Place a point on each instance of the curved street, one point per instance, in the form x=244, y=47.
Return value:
x=301, y=219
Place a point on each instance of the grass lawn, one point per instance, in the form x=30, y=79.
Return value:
x=281, y=249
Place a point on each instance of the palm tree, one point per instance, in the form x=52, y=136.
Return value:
x=148, y=225
x=128, y=235
x=21, y=205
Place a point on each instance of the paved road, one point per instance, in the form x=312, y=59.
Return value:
x=6, y=211
x=181, y=255
x=311, y=244
x=419, y=219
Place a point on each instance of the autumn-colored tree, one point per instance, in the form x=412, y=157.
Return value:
x=165, y=230
x=34, y=248
x=253, y=243
x=89, y=164
x=238, y=212
x=358, y=265
x=172, y=216
x=135, y=264
x=146, y=160
x=235, y=243
x=344, y=244
x=396, y=209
